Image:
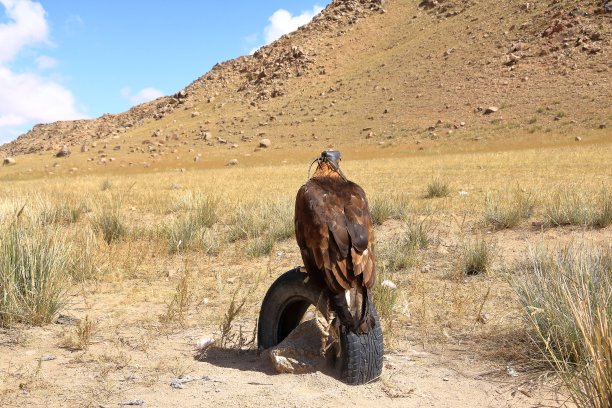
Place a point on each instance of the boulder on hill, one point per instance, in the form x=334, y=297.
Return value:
x=8, y=161
x=63, y=152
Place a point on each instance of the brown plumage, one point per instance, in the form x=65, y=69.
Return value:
x=333, y=227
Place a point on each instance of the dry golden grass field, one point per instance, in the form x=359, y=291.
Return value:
x=495, y=228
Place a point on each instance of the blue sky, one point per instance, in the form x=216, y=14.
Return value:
x=69, y=59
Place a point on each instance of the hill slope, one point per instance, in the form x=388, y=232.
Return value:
x=365, y=75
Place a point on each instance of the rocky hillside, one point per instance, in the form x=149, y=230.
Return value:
x=368, y=74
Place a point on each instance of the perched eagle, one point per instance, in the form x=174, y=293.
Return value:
x=333, y=227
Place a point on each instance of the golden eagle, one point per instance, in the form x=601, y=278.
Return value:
x=333, y=228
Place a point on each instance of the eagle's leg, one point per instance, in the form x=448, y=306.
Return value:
x=329, y=330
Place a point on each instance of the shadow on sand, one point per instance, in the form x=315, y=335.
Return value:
x=254, y=361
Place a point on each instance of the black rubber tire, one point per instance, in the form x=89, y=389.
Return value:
x=284, y=307
x=361, y=356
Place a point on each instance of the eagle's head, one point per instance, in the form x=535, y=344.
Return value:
x=328, y=164
x=332, y=156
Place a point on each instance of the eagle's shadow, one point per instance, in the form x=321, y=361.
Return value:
x=256, y=361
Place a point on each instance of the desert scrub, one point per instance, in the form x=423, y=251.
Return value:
x=84, y=262
x=248, y=221
x=190, y=231
x=260, y=246
x=419, y=233
x=387, y=207
x=397, y=254
x=64, y=212
x=281, y=223
x=437, y=188
x=477, y=255
x=602, y=216
x=109, y=223
x=181, y=301
x=106, y=185
x=384, y=296
x=567, y=296
x=569, y=207
x=507, y=211
x=34, y=274
x=264, y=218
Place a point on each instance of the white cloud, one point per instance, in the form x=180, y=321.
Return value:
x=283, y=22
x=31, y=98
x=28, y=98
x=45, y=62
x=142, y=96
x=27, y=26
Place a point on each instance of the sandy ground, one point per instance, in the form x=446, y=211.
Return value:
x=133, y=357
x=414, y=378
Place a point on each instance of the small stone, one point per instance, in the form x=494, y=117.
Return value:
x=491, y=109
x=578, y=139
x=265, y=143
x=602, y=126
x=8, y=161
x=388, y=284
x=232, y=162
x=204, y=343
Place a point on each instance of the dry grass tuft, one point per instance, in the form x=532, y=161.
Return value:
x=64, y=213
x=388, y=207
x=385, y=295
x=437, y=188
x=181, y=301
x=419, y=233
x=34, y=274
x=80, y=338
x=566, y=297
x=477, y=256
x=509, y=210
x=260, y=246
x=230, y=338
x=570, y=207
x=110, y=224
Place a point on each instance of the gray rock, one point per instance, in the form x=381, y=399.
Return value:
x=8, y=161
x=232, y=162
x=491, y=109
x=63, y=152
x=265, y=143
x=300, y=351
